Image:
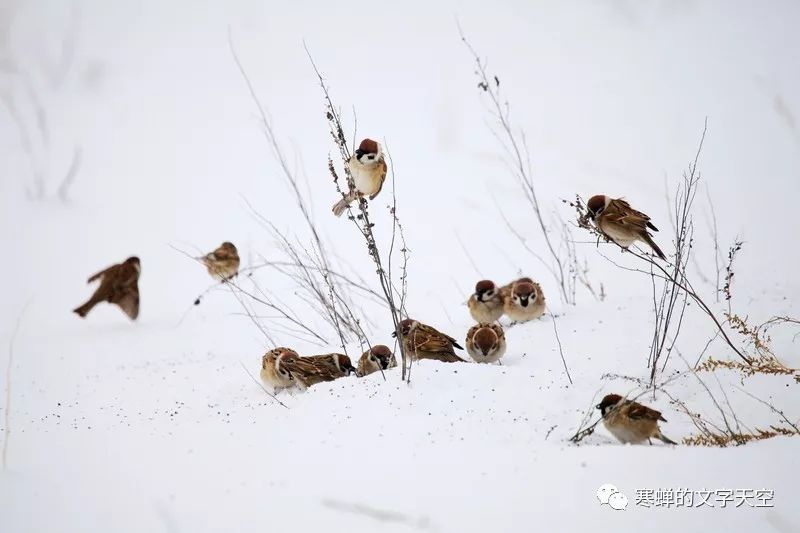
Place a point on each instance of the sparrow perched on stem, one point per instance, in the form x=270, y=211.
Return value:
x=486, y=303
x=631, y=422
x=377, y=358
x=486, y=343
x=523, y=300
x=222, y=263
x=368, y=169
x=119, y=284
x=621, y=223
x=424, y=342
x=273, y=370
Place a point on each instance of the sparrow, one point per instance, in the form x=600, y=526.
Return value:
x=523, y=301
x=424, y=342
x=118, y=285
x=307, y=371
x=273, y=370
x=222, y=263
x=486, y=343
x=631, y=422
x=621, y=223
x=377, y=358
x=368, y=169
x=486, y=303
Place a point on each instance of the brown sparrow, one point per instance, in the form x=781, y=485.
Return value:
x=621, y=223
x=631, y=422
x=486, y=304
x=273, y=371
x=523, y=301
x=368, y=169
x=119, y=284
x=377, y=358
x=315, y=369
x=222, y=263
x=421, y=341
x=486, y=343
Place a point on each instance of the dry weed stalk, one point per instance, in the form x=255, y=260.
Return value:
x=677, y=289
x=312, y=271
x=27, y=102
x=564, y=264
x=363, y=223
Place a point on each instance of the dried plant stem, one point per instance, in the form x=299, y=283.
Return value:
x=9, y=367
x=268, y=393
x=560, y=350
x=362, y=219
x=563, y=268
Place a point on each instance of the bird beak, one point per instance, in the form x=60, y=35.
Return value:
x=394, y=334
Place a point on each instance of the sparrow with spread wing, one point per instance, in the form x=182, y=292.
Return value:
x=421, y=341
x=119, y=285
x=621, y=223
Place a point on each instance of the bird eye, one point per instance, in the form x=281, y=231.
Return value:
x=372, y=358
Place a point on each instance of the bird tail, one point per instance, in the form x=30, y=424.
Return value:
x=340, y=206
x=650, y=242
x=84, y=309
x=664, y=439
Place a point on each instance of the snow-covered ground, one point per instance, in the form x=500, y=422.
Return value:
x=155, y=426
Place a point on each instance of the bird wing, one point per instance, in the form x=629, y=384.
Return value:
x=102, y=273
x=621, y=212
x=128, y=300
x=428, y=339
x=384, y=168
x=304, y=370
x=637, y=411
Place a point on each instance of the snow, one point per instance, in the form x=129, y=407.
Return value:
x=155, y=426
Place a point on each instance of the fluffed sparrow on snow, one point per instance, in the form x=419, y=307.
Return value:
x=523, y=301
x=378, y=358
x=222, y=263
x=119, y=284
x=621, y=223
x=631, y=422
x=486, y=303
x=424, y=342
x=486, y=343
x=273, y=371
x=315, y=369
x=368, y=169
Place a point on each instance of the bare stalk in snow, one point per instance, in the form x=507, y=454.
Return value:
x=671, y=301
x=360, y=216
x=563, y=263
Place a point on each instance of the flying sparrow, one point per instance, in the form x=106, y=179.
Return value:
x=377, y=358
x=273, y=370
x=118, y=285
x=631, y=422
x=368, y=169
x=421, y=341
x=315, y=369
x=621, y=223
x=486, y=304
x=222, y=263
x=523, y=301
x=486, y=343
